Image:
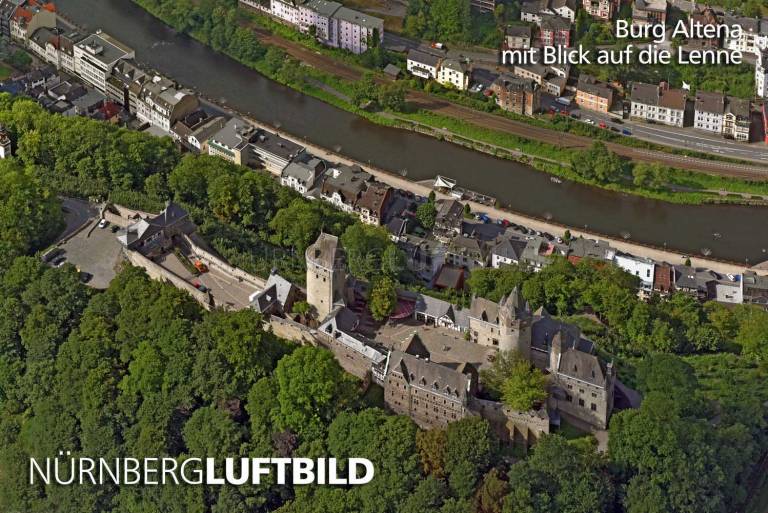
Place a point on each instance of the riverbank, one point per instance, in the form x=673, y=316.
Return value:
x=659, y=254
x=552, y=144
x=416, y=156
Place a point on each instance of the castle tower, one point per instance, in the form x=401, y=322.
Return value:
x=5, y=143
x=326, y=275
x=515, y=324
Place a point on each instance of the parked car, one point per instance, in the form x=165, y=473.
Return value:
x=51, y=254
x=59, y=261
x=589, y=121
x=200, y=266
x=199, y=286
x=603, y=124
x=85, y=277
x=115, y=228
x=103, y=223
x=484, y=218
x=626, y=131
x=438, y=46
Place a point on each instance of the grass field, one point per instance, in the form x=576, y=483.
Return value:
x=5, y=72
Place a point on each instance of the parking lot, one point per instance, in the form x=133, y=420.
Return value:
x=95, y=252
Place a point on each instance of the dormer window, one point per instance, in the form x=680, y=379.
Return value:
x=435, y=386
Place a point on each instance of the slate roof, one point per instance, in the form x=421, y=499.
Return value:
x=710, y=102
x=511, y=248
x=424, y=58
x=431, y=376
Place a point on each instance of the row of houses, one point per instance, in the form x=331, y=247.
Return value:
x=100, y=61
x=329, y=22
x=710, y=112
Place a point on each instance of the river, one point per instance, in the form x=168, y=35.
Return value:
x=735, y=233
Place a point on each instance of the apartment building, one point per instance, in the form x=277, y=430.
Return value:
x=649, y=12
x=594, y=95
x=515, y=94
x=708, y=112
x=554, y=31
x=658, y=104
x=161, y=103
x=518, y=37
x=96, y=55
x=454, y=73
x=737, y=119
x=602, y=9
x=761, y=74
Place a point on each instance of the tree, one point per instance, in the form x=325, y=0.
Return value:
x=512, y=378
x=651, y=176
x=383, y=298
x=30, y=216
x=426, y=213
x=393, y=262
x=392, y=96
x=525, y=387
x=752, y=334
x=491, y=492
x=364, y=246
x=431, y=444
x=559, y=476
x=469, y=451
x=312, y=390
x=598, y=164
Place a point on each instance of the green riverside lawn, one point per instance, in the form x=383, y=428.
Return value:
x=698, y=188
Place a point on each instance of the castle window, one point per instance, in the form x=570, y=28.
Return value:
x=581, y=402
x=594, y=394
x=593, y=407
x=568, y=398
x=575, y=368
x=581, y=390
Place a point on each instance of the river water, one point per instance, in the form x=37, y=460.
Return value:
x=735, y=233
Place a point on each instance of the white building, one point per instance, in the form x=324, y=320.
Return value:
x=96, y=55
x=319, y=14
x=357, y=31
x=160, y=103
x=708, y=112
x=564, y=8
x=658, y=104
x=761, y=74
x=747, y=40
x=737, y=119
x=643, y=268
x=423, y=64
x=303, y=174
x=454, y=73
x=334, y=24
x=286, y=10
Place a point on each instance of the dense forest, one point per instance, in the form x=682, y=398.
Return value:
x=141, y=370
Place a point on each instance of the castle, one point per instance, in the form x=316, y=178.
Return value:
x=581, y=386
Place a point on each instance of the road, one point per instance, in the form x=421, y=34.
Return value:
x=495, y=122
x=76, y=214
x=683, y=138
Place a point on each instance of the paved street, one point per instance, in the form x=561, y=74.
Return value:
x=685, y=138
x=76, y=213
x=226, y=290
